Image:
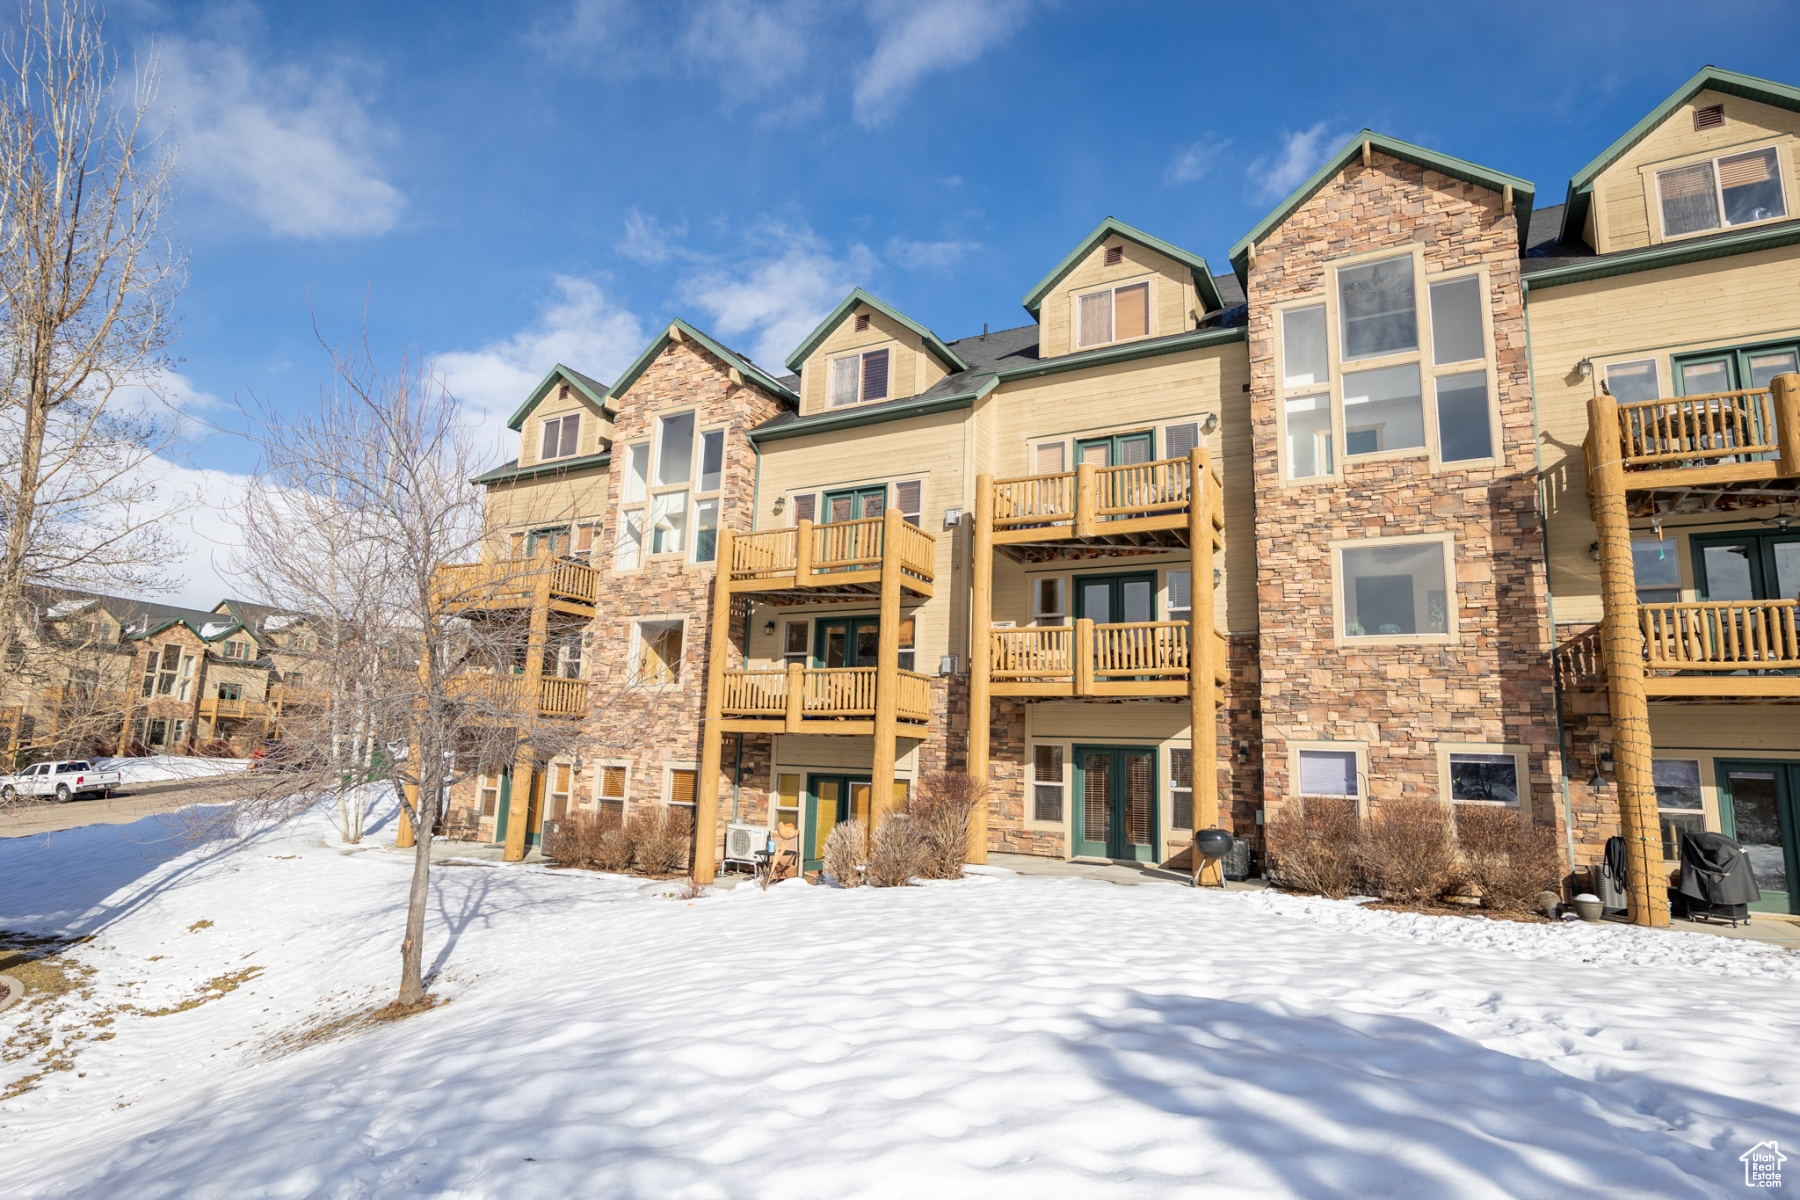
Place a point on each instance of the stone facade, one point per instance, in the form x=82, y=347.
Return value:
x=1493, y=685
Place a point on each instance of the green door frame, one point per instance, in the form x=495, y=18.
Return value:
x=1115, y=843
x=1117, y=583
x=1736, y=360
x=553, y=534
x=851, y=626
x=1764, y=573
x=504, y=805
x=1787, y=811
x=809, y=835
x=1115, y=444
x=859, y=498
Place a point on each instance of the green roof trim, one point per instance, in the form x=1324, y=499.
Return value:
x=874, y=415
x=1203, y=280
x=557, y=374
x=1707, y=78
x=173, y=621
x=1667, y=255
x=1174, y=344
x=556, y=466
x=745, y=367
x=1524, y=191
x=946, y=355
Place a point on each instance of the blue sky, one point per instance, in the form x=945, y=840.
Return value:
x=512, y=185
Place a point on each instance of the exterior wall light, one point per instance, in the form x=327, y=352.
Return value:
x=780, y=505
x=1585, y=368
x=1209, y=424
x=1594, y=551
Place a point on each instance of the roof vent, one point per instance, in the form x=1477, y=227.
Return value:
x=1710, y=117
x=1115, y=255
x=862, y=322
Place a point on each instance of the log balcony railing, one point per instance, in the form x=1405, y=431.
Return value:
x=508, y=695
x=1724, y=437
x=1137, y=658
x=562, y=584
x=1712, y=648
x=836, y=555
x=215, y=709
x=814, y=699
x=1103, y=503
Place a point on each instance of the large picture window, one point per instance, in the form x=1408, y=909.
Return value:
x=1394, y=589
x=671, y=496
x=1376, y=305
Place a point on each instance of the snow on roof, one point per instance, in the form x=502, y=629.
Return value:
x=66, y=608
x=213, y=629
x=279, y=622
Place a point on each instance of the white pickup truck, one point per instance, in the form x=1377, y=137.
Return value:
x=65, y=780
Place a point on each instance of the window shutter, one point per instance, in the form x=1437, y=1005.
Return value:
x=906, y=499
x=843, y=379
x=1178, y=440
x=571, y=431
x=1710, y=117
x=1131, y=311
x=1096, y=319
x=548, y=448
x=1327, y=773
x=1115, y=255
x=875, y=375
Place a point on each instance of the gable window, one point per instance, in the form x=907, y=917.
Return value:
x=1113, y=315
x=1375, y=303
x=561, y=436
x=1394, y=588
x=1737, y=189
x=235, y=649
x=856, y=378
x=659, y=652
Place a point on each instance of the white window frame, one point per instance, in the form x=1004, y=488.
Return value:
x=669, y=767
x=1423, y=355
x=1360, y=749
x=1174, y=832
x=1652, y=174
x=557, y=420
x=1452, y=597
x=657, y=496
x=890, y=348
x=601, y=767
x=1061, y=613
x=1030, y=814
x=1147, y=279
x=637, y=649
x=1521, y=756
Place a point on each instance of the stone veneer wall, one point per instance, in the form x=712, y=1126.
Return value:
x=653, y=728
x=1495, y=684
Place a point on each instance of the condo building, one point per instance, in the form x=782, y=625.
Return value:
x=1433, y=489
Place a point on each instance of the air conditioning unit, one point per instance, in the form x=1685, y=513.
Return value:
x=744, y=842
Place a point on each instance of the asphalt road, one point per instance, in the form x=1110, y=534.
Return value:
x=122, y=809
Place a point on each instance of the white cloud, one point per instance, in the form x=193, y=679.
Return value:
x=648, y=240
x=577, y=328
x=1192, y=162
x=920, y=37
x=928, y=256
x=291, y=143
x=1273, y=176
x=775, y=299
x=203, y=504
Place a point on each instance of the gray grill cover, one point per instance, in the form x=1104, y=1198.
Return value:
x=1715, y=869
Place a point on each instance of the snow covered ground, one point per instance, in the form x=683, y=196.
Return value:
x=1000, y=1036
x=159, y=768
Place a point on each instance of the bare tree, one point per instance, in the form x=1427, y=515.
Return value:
x=88, y=278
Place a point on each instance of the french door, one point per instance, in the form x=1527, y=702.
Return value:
x=853, y=504
x=1111, y=599
x=846, y=641
x=1747, y=566
x=1757, y=809
x=829, y=800
x=1115, y=803
x=1733, y=370
x=1116, y=450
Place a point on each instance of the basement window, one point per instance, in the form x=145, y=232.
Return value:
x=1484, y=778
x=1328, y=773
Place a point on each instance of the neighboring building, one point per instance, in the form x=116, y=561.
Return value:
x=1357, y=457
x=108, y=674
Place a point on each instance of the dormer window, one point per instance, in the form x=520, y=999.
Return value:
x=856, y=378
x=1113, y=315
x=1739, y=189
x=240, y=650
x=561, y=436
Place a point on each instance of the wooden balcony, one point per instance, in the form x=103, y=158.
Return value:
x=1722, y=649
x=1133, y=659
x=840, y=558
x=510, y=695
x=558, y=584
x=1738, y=440
x=841, y=700
x=214, y=709
x=1141, y=506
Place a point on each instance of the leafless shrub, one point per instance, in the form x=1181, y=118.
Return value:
x=940, y=812
x=897, y=852
x=578, y=840
x=846, y=853
x=1317, y=848
x=618, y=850
x=691, y=890
x=1408, y=852
x=662, y=841
x=1507, y=856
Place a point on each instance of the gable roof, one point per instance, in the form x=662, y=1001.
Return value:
x=857, y=296
x=1707, y=78
x=593, y=389
x=744, y=366
x=1523, y=190
x=1203, y=278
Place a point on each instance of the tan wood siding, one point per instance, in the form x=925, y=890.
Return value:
x=596, y=429
x=1171, y=293
x=904, y=374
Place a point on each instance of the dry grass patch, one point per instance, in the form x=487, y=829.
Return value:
x=327, y=1029
x=54, y=983
x=197, y=926
x=212, y=989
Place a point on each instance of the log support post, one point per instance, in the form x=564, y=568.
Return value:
x=1622, y=646
x=981, y=623
x=1786, y=391
x=803, y=553
x=796, y=696
x=718, y=651
x=887, y=673
x=1202, y=646
x=1085, y=491
x=1084, y=656
x=518, y=804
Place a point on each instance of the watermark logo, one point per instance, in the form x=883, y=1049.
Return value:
x=1762, y=1165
